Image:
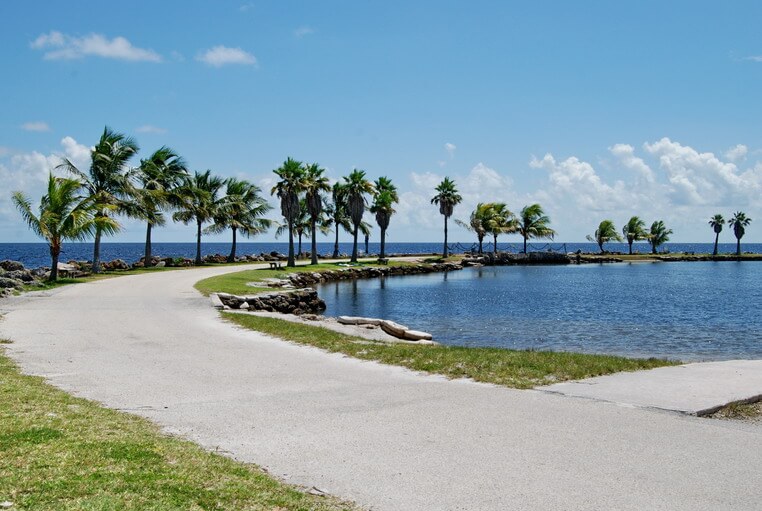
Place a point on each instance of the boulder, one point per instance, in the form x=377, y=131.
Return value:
x=6, y=283
x=392, y=328
x=355, y=320
x=416, y=335
x=22, y=275
x=9, y=265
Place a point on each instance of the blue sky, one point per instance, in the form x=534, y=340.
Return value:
x=595, y=109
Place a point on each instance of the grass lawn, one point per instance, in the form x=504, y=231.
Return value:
x=58, y=452
x=513, y=368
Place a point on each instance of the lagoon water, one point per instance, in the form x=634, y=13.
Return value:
x=690, y=311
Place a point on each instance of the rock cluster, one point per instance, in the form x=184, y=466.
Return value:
x=390, y=327
x=507, y=259
x=13, y=276
x=300, y=301
x=304, y=279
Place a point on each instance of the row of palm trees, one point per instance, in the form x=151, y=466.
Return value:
x=634, y=230
x=739, y=222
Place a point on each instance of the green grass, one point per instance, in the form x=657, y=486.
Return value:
x=740, y=411
x=512, y=368
x=238, y=283
x=58, y=452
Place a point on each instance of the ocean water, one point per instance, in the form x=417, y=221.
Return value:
x=689, y=311
x=36, y=254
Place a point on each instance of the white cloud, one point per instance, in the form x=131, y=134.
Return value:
x=450, y=148
x=246, y=7
x=303, y=31
x=60, y=46
x=147, y=128
x=35, y=126
x=736, y=153
x=754, y=58
x=219, y=56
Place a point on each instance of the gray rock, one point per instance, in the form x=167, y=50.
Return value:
x=9, y=265
x=7, y=283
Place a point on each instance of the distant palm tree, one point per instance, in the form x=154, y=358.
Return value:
x=64, y=214
x=447, y=198
x=106, y=181
x=384, y=198
x=338, y=214
x=240, y=210
x=198, y=201
x=158, y=176
x=605, y=232
x=634, y=230
x=716, y=223
x=658, y=235
x=739, y=223
x=357, y=186
x=301, y=226
x=288, y=189
x=500, y=221
x=477, y=222
x=534, y=223
x=315, y=185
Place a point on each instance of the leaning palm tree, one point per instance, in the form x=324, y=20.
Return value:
x=291, y=184
x=447, y=198
x=500, y=220
x=477, y=222
x=107, y=182
x=605, y=233
x=634, y=230
x=356, y=187
x=63, y=215
x=658, y=235
x=534, y=223
x=240, y=210
x=315, y=185
x=716, y=223
x=383, y=208
x=158, y=177
x=739, y=223
x=198, y=201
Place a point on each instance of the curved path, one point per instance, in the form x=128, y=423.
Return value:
x=383, y=436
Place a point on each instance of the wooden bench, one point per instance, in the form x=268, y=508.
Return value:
x=384, y=260
x=276, y=265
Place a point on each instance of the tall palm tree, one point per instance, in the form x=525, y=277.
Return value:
x=716, y=223
x=658, y=235
x=500, y=220
x=300, y=226
x=383, y=208
x=158, y=177
x=447, y=198
x=338, y=214
x=357, y=186
x=315, y=185
x=634, y=230
x=106, y=181
x=605, y=233
x=477, y=222
x=534, y=223
x=739, y=223
x=63, y=215
x=198, y=201
x=291, y=184
x=240, y=210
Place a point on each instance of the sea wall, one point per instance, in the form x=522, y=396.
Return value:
x=299, y=301
x=304, y=279
x=509, y=259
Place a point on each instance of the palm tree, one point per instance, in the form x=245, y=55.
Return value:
x=658, y=235
x=447, y=198
x=337, y=213
x=106, y=182
x=315, y=185
x=291, y=184
x=716, y=223
x=158, y=176
x=534, y=223
x=356, y=186
x=64, y=215
x=300, y=226
x=739, y=223
x=198, y=200
x=634, y=230
x=383, y=208
x=500, y=220
x=241, y=210
x=604, y=233
x=477, y=222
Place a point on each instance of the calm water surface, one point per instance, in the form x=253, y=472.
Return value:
x=690, y=311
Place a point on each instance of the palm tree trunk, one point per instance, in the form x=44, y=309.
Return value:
x=600, y=245
x=525, y=243
x=716, y=241
x=630, y=243
x=198, y=243
x=231, y=257
x=653, y=248
x=494, y=236
x=354, y=246
x=382, y=255
x=290, y=261
x=336, y=243
x=481, y=240
x=444, y=249
x=299, y=252
x=97, y=251
x=313, y=254
x=738, y=247
x=147, y=257
x=55, y=251
x=366, y=244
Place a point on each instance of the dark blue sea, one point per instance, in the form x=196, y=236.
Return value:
x=685, y=310
x=36, y=254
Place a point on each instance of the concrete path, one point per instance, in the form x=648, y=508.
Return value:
x=383, y=436
x=697, y=389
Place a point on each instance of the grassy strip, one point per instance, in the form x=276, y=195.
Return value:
x=240, y=283
x=513, y=368
x=58, y=452
x=740, y=411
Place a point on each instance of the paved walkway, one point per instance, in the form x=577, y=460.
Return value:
x=383, y=436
